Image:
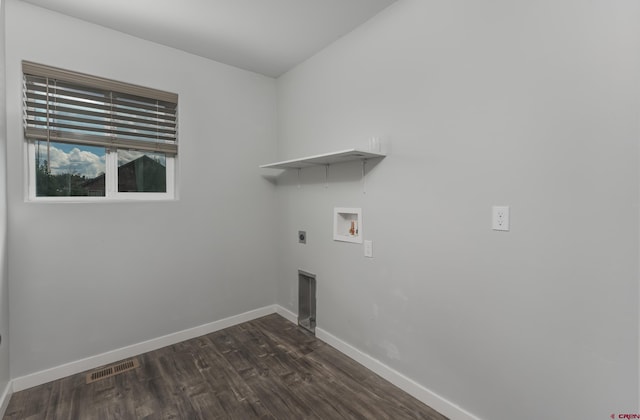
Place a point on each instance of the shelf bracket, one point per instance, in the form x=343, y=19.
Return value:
x=326, y=175
x=364, y=182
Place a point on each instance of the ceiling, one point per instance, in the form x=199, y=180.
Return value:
x=265, y=36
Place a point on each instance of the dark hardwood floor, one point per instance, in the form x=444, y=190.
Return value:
x=264, y=369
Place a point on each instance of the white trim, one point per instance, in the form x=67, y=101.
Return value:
x=112, y=190
x=430, y=398
x=111, y=182
x=287, y=314
x=5, y=398
x=30, y=170
x=408, y=385
x=62, y=371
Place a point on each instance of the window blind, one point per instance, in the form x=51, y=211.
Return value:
x=69, y=107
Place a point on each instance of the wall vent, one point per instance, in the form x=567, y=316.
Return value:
x=113, y=370
x=307, y=301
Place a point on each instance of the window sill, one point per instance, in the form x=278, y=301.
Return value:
x=95, y=200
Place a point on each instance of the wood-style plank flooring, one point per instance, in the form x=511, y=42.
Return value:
x=263, y=369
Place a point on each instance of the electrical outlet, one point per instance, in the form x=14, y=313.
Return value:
x=368, y=249
x=500, y=219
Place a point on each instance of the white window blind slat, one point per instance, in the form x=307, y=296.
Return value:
x=68, y=107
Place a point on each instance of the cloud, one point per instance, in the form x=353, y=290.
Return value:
x=84, y=162
x=77, y=161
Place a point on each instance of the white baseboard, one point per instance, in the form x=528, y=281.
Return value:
x=287, y=314
x=52, y=374
x=430, y=398
x=5, y=397
x=408, y=385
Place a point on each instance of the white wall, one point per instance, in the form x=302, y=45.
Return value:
x=529, y=104
x=4, y=293
x=89, y=278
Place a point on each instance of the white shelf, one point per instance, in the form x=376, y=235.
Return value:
x=324, y=159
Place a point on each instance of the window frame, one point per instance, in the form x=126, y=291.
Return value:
x=111, y=149
x=111, y=181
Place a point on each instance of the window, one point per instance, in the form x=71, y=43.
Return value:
x=93, y=137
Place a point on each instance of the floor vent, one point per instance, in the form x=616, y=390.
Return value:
x=113, y=370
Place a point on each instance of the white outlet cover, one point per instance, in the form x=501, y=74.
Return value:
x=500, y=218
x=368, y=249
